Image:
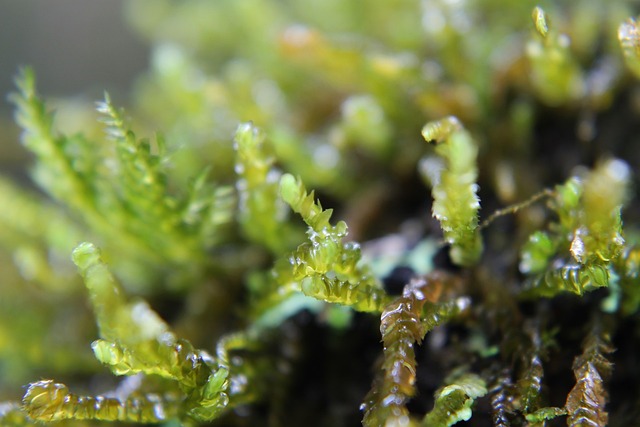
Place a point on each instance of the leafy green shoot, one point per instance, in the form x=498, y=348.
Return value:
x=545, y=414
x=49, y=401
x=121, y=189
x=135, y=340
x=454, y=401
x=325, y=267
x=555, y=76
x=262, y=214
x=587, y=399
x=403, y=325
x=587, y=234
x=454, y=188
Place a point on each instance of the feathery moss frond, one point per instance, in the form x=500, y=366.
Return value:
x=455, y=199
x=57, y=173
x=123, y=194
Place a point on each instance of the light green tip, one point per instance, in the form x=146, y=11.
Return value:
x=289, y=189
x=440, y=130
x=540, y=21
x=85, y=255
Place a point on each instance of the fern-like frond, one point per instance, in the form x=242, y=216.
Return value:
x=545, y=414
x=122, y=192
x=57, y=172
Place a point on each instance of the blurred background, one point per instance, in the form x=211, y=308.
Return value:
x=78, y=49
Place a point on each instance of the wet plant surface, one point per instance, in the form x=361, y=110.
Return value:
x=405, y=214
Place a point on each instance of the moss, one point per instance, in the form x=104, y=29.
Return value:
x=501, y=296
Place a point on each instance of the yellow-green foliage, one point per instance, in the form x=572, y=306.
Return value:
x=210, y=306
x=456, y=202
x=453, y=402
x=588, y=233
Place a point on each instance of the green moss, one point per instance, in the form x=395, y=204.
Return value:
x=209, y=297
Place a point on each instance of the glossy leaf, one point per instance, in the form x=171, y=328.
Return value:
x=403, y=325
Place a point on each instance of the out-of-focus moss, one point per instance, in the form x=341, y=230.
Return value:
x=258, y=100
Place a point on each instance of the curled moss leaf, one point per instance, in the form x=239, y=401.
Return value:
x=40, y=248
x=364, y=124
x=117, y=318
x=605, y=192
x=573, y=278
x=455, y=199
x=454, y=401
x=294, y=193
x=530, y=384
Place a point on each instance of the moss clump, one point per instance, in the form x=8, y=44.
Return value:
x=501, y=297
